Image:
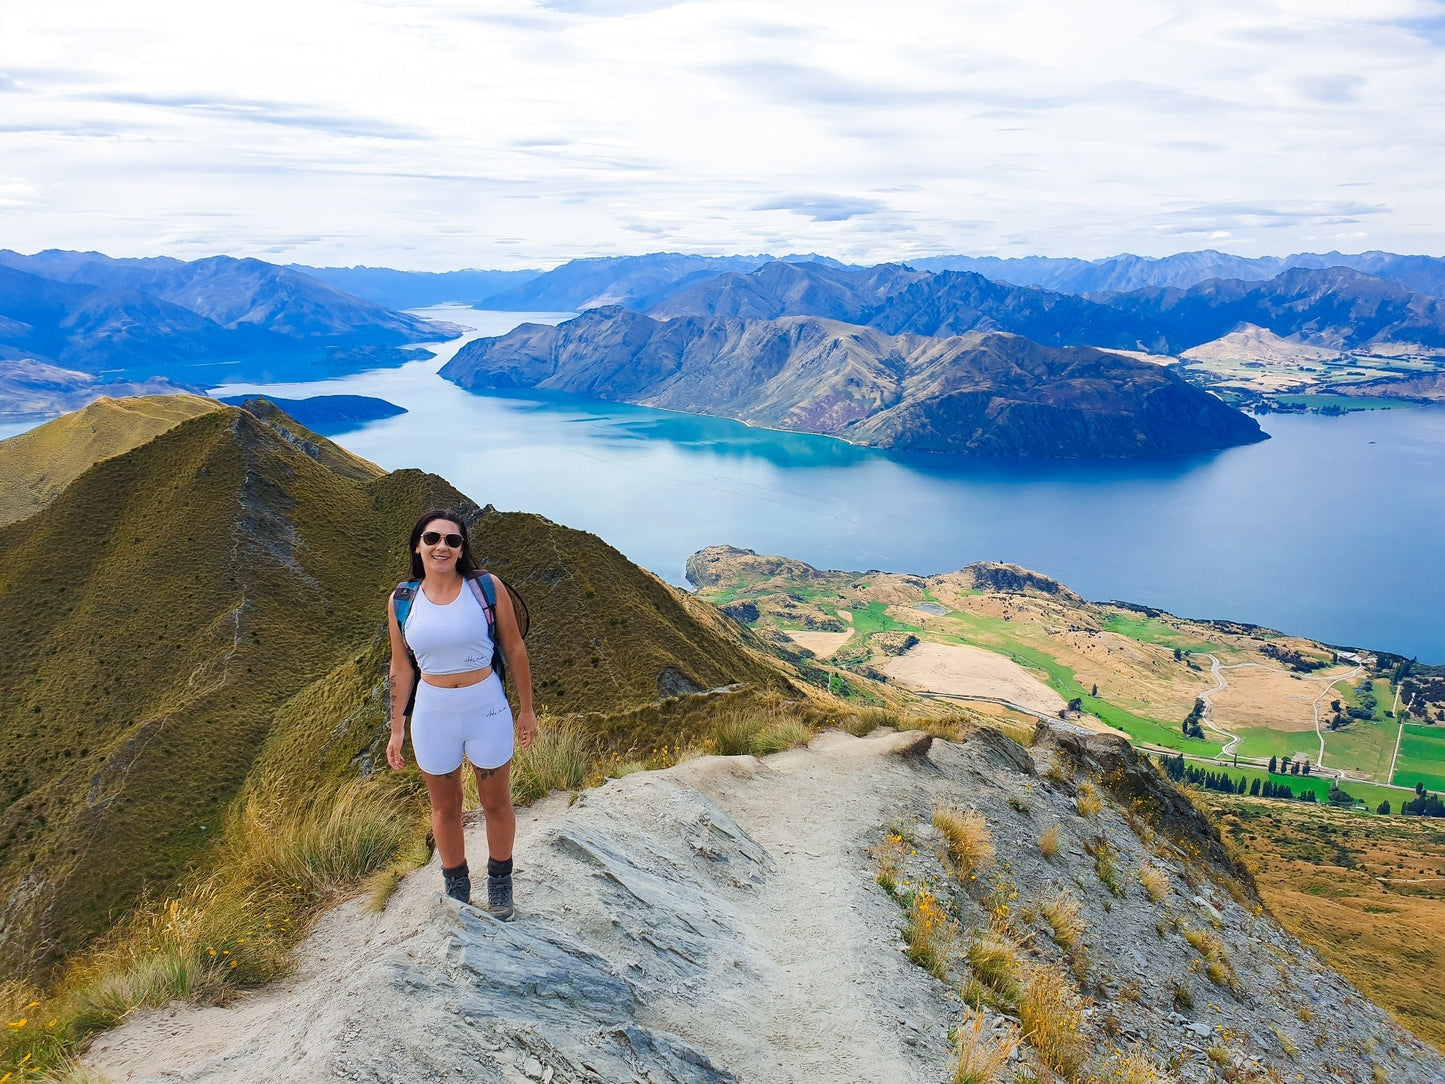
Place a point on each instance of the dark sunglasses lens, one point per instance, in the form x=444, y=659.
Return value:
x=431, y=538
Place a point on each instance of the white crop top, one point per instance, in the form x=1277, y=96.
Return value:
x=450, y=639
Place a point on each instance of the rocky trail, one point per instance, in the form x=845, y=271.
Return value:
x=720, y=921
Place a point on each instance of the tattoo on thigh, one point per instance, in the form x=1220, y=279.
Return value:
x=486, y=773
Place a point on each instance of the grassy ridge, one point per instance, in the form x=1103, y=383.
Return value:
x=36, y=465
x=207, y=609
x=204, y=578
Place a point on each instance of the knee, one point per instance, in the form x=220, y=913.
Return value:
x=447, y=806
x=496, y=799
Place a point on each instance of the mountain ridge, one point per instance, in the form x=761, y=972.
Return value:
x=979, y=394
x=230, y=566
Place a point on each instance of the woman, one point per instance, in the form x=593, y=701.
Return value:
x=461, y=713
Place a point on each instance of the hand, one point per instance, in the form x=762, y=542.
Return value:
x=526, y=729
x=393, y=753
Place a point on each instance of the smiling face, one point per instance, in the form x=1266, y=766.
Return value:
x=439, y=557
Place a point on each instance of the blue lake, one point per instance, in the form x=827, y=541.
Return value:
x=1332, y=529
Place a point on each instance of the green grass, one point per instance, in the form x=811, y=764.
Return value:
x=1422, y=757
x=874, y=618
x=995, y=634
x=1264, y=742
x=1369, y=793
x=1343, y=402
x=1362, y=746
x=1151, y=630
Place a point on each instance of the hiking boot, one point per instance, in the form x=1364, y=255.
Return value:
x=499, y=897
x=458, y=883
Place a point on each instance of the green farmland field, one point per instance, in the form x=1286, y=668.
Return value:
x=1422, y=757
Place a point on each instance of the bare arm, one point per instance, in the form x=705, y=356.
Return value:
x=509, y=638
x=402, y=679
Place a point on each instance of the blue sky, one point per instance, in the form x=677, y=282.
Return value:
x=436, y=134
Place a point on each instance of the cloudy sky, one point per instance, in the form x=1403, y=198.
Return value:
x=515, y=133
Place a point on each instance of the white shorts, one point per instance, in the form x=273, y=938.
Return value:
x=475, y=720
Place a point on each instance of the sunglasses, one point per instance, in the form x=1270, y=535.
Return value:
x=431, y=538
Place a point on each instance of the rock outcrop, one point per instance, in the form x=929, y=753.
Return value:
x=721, y=921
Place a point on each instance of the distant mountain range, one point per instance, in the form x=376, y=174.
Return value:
x=979, y=394
x=948, y=361
x=636, y=282
x=415, y=289
x=1336, y=307
x=192, y=323
x=647, y=282
x=1424, y=274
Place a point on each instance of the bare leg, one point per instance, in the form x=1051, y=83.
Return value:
x=445, y=792
x=494, y=787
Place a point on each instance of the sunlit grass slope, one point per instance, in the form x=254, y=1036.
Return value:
x=202, y=617
x=1367, y=892
x=36, y=465
x=152, y=620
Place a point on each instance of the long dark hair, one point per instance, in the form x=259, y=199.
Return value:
x=465, y=561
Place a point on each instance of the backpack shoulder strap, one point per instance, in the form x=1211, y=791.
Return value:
x=484, y=588
x=401, y=600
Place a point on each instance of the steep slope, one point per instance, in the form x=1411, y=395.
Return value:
x=781, y=288
x=88, y=327
x=217, y=593
x=633, y=281
x=234, y=294
x=35, y=466
x=413, y=289
x=1335, y=307
x=722, y=921
x=974, y=394
x=31, y=389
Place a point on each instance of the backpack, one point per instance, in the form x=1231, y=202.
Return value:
x=483, y=586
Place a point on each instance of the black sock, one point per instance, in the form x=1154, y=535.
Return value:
x=496, y=868
x=456, y=871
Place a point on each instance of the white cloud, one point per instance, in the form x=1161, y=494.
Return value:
x=444, y=133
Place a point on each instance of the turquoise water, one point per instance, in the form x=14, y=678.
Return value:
x=1332, y=529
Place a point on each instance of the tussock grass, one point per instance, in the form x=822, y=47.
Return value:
x=980, y=1058
x=864, y=721
x=1088, y=800
x=1105, y=858
x=1135, y=1067
x=1051, y=1016
x=1216, y=961
x=756, y=733
x=1049, y=841
x=561, y=758
x=930, y=935
x=967, y=840
x=889, y=855
x=994, y=961
x=276, y=866
x=1016, y=730
x=317, y=845
x=1062, y=912
x=1154, y=881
